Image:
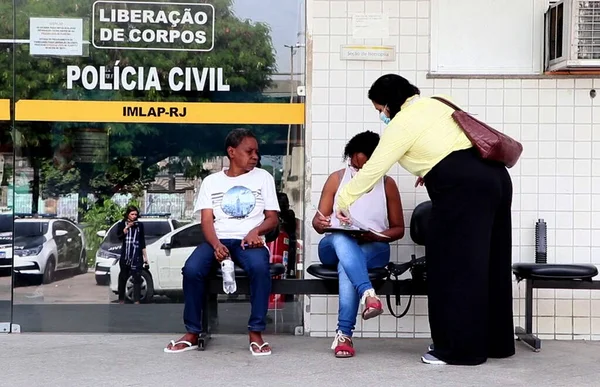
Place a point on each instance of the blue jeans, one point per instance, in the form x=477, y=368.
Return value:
x=352, y=259
x=198, y=268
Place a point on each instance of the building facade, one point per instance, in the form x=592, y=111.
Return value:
x=85, y=132
x=489, y=56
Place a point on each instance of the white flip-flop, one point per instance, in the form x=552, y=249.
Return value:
x=260, y=347
x=174, y=343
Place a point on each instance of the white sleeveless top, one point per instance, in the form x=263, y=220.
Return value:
x=370, y=209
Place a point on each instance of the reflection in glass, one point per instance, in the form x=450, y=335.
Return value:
x=79, y=176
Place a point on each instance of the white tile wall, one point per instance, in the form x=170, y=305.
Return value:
x=558, y=178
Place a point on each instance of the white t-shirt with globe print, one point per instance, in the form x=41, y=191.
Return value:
x=238, y=203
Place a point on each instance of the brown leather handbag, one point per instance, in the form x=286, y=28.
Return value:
x=491, y=144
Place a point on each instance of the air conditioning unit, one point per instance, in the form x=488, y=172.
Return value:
x=572, y=37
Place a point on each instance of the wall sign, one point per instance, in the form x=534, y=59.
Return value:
x=55, y=36
x=160, y=112
x=370, y=26
x=144, y=25
x=370, y=53
x=4, y=109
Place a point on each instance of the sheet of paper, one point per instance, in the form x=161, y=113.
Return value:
x=358, y=224
x=55, y=36
x=370, y=26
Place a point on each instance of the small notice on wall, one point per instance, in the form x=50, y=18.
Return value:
x=370, y=26
x=375, y=53
x=55, y=36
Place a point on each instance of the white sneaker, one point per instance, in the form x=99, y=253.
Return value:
x=428, y=358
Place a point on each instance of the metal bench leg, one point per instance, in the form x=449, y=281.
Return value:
x=526, y=335
x=208, y=316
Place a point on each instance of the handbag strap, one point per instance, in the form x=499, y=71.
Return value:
x=396, y=271
x=446, y=102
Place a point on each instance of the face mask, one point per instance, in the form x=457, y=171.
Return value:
x=386, y=120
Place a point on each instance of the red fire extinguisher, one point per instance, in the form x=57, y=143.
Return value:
x=279, y=250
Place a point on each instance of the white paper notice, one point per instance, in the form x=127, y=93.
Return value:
x=55, y=36
x=370, y=26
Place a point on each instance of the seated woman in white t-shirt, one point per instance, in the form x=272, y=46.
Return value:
x=243, y=203
x=379, y=210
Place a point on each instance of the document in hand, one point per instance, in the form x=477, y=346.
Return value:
x=359, y=225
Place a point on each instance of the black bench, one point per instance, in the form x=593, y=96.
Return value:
x=326, y=282
x=549, y=276
x=418, y=227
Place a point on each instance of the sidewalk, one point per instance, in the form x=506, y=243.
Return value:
x=115, y=360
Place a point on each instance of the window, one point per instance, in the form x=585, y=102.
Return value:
x=156, y=229
x=6, y=224
x=30, y=229
x=487, y=36
x=189, y=237
x=71, y=228
x=556, y=33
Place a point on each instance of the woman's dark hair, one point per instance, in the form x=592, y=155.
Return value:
x=392, y=90
x=129, y=210
x=364, y=142
x=235, y=138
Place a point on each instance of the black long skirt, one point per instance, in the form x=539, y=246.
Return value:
x=468, y=249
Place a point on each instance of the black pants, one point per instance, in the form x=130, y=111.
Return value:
x=468, y=249
x=124, y=275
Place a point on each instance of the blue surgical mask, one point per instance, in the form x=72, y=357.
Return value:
x=386, y=120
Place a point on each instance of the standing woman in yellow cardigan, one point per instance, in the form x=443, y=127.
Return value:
x=468, y=248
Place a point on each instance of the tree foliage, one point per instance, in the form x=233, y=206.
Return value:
x=243, y=49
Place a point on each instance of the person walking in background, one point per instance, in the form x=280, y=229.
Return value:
x=469, y=246
x=133, y=253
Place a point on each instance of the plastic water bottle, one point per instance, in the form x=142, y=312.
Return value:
x=228, y=271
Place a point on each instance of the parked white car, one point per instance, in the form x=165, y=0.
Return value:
x=44, y=245
x=155, y=226
x=166, y=256
x=6, y=230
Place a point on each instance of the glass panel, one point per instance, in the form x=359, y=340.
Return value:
x=6, y=162
x=123, y=103
x=552, y=33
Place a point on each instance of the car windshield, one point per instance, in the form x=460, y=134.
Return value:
x=6, y=223
x=156, y=229
x=30, y=229
x=153, y=230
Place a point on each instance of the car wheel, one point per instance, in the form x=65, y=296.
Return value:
x=146, y=291
x=102, y=280
x=83, y=263
x=48, y=275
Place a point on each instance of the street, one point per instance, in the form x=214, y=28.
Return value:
x=66, y=289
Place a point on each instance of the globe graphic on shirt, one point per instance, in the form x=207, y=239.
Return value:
x=238, y=202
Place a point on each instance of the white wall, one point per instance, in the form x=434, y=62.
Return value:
x=558, y=178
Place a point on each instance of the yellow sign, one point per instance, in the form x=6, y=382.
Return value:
x=4, y=109
x=160, y=112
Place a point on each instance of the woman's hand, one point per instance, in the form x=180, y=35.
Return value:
x=252, y=240
x=320, y=223
x=221, y=252
x=343, y=216
x=420, y=182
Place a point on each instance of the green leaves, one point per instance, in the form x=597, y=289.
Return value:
x=243, y=48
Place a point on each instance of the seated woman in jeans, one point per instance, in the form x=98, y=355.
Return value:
x=381, y=211
x=238, y=207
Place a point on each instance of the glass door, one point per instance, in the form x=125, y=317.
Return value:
x=6, y=161
x=124, y=103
